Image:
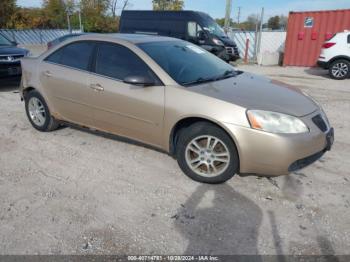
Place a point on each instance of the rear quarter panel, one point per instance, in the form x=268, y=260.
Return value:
x=31, y=78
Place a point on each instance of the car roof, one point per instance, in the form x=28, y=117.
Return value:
x=131, y=38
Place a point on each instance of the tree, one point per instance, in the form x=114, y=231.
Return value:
x=55, y=12
x=7, y=9
x=274, y=22
x=277, y=22
x=95, y=16
x=251, y=23
x=168, y=5
x=28, y=18
x=283, y=22
x=113, y=6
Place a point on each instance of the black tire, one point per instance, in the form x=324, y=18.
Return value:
x=50, y=123
x=199, y=129
x=334, y=68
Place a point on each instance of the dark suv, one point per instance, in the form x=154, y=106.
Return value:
x=10, y=56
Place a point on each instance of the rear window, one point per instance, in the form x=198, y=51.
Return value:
x=76, y=55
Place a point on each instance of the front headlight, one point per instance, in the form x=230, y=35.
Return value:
x=276, y=122
x=218, y=42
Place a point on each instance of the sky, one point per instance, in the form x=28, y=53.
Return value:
x=216, y=8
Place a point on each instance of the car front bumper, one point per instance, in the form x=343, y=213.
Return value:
x=264, y=153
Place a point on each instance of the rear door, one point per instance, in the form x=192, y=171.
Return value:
x=64, y=75
x=133, y=111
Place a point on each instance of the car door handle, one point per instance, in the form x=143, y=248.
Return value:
x=47, y=73
x=97, y=87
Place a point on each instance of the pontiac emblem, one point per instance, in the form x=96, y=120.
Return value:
x=10, y=58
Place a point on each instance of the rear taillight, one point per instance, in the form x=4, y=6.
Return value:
x=328, y=45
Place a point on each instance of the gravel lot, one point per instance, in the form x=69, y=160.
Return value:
x=75, y=192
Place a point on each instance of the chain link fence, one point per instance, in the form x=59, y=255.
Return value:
x=263, y=48
x=34, y=36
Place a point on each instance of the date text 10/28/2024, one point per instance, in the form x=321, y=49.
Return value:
x=173, y=258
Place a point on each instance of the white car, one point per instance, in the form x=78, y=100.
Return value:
x=335, y=56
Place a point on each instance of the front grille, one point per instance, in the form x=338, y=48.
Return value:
x=229, y=50
x=10, y=58
x=5, y=66
x=232, y=50
x=320, y=123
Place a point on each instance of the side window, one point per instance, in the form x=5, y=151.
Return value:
x=118, y=62
x=76, y=55
x=55, y=57
x=192, y=29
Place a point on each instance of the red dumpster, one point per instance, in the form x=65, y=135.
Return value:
x=307, y=31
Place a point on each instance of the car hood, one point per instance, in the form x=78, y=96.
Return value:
x=227, y=41
x=12, y=50
x=260, y=93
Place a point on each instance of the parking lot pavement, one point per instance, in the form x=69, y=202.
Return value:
x=75, y=192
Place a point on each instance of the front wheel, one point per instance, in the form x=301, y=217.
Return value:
x=339, y=69
x=206, y=153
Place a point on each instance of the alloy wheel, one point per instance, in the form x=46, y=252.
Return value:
x=37, y=111
x=340, y=70
x=207, y=156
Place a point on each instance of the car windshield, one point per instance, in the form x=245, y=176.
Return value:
x=211, y=26
x=4, y=41
x=186, y=63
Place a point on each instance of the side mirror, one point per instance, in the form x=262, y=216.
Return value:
x=202, y=36
x=14, y=43
x=139, y=80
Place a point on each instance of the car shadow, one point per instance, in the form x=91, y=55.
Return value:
x=9, y=84
x=292, y=188
x=112, y=137
x=327, y=249
x=277, y=240
x=316, y=71
x=228, y=225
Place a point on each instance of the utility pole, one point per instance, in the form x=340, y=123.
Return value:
x=80, y=25
x=228, y=15
x=239, y=15
x=68, y=22
x=69, y=11
x=260, y=33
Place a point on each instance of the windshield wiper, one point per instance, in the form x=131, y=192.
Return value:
x=201, y=80
x=227, y=74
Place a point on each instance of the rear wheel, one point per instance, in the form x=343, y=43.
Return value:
x=339, y=69
x=206, y=153
x=38, y=112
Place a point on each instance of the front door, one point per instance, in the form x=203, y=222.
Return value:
x=133, y=111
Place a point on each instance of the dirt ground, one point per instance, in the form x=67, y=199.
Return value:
x=75, y=192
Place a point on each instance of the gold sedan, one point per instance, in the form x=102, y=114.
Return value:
x=175, y=96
